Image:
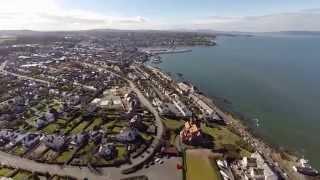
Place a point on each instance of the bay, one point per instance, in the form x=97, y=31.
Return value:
x=272, y=79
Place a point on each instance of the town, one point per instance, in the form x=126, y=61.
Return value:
x=89, y=106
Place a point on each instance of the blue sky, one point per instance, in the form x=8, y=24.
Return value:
x=191, y=8
x=227, y=15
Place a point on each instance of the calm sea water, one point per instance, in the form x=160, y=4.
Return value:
x=273, y=79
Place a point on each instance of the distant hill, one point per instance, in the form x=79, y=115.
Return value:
x=102, y=31
x=317, y=33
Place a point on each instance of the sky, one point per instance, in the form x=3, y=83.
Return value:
x=220, y=15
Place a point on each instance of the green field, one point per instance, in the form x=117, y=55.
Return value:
x=97, y=122
x=198, y=164
x=80, y=128
x=5, y=171
x=22, y=175
x=122, y=152
x=223, y=135
x=49, y=129
x=65, y=156
x=172, y=123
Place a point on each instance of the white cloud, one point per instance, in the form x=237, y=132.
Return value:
x=303, y=20
x=48, y=15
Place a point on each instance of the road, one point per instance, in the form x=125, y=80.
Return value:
x=3, y=65
x=30, y=165
x=158, y=122
x=3, y=71
x=160, y=130
x=40, y=80
x=25, y=77
x=81, y=173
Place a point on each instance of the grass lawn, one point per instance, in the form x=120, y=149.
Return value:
x=223, y=135
x=96, y=122
x=70, y=125
x=86, y=153
x=56, y=105
x=19, y=150
x=199, y=166
x=122, y=152
x=4, y=171
x=49, y=129
x=122, y=123
x=146, y=137
x=65, y=156
x=50, y=155
x=173, y=137
x=22, y=175
x=32, y=121
x=80, y=128
x=173, y=124
x=117, y=129
x=61, y=121
x=109, y=125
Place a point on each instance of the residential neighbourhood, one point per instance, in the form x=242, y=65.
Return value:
x=87, y=107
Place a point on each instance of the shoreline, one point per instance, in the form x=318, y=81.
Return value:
x=272, y=153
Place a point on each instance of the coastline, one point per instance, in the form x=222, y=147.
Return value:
x=273, y=154
x=159, y=51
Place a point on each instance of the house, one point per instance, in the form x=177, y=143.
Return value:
x=181, y=106
x=111, y=100
x=44, y=120
x=136, y=122
x=257, y=174
x=257, y=168
x=133, y=104
x=107, y=151
x=206, y=109
x=248, y=162
x=30, y=140
x=55, y=142
x=50, y=117
x=96, y=136
x=184, y=87
x=127, y=135
x=6, y=136
x=79, y=139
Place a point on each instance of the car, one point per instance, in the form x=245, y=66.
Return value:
x=157, y=160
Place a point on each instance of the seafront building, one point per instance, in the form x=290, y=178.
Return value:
x=191, y=132
x=256, y=168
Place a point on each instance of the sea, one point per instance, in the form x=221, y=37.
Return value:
x=272, y=82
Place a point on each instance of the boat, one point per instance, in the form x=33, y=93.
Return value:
x=257, y=122
x=305, y=168
x=156, y=59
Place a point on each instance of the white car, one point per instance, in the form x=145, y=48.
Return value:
x=158, y=161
